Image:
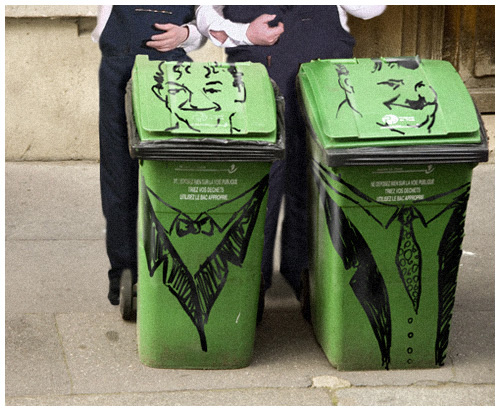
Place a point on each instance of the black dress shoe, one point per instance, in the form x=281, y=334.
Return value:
x=114, y=290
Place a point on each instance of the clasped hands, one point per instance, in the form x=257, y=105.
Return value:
x=259, y=32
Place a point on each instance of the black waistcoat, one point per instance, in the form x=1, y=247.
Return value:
x=311, y=32
x=130, y=27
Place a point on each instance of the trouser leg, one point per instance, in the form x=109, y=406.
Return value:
x=272, y=214
x=289, y=178
x=118, y=171
x=294, y=242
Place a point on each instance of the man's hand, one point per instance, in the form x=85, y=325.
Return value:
x=172, y=37
x=259, y=32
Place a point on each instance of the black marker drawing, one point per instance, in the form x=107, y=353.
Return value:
x=368, y=282
x=201, y=95
x=449, y=260
x=409, y=256
x=198, y=291
x=407, y=102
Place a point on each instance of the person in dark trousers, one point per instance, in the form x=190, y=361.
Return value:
x=281, y=38
x=162, y=33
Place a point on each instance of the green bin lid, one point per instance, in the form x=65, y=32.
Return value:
x=196, y=99
x=198, y=110
x=388, y=102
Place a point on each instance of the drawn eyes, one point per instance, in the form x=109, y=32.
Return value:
x=174, y=91
x=211, y=90
x=213, y=87
x=394, y=84
x=420, y=84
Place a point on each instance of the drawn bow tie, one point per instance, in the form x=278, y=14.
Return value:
x=184, y=225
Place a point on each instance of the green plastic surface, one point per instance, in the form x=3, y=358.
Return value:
x=200, y=242
x=196, y=100
x=206, y=135
x=385, y=237
x=372, y=306
x=387, y=102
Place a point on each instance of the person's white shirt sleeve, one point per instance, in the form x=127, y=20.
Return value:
x=194, y=40
x=210, y=18
x=103, y=13
x=361, y=12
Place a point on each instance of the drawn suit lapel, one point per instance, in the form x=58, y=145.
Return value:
x=196, y=282
x=368, y=283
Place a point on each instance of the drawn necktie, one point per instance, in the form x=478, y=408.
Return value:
x=409, y=257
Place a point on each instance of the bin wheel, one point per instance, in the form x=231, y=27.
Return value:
x=305, y=295
x=127, y=297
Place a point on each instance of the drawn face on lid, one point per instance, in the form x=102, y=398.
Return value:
x=201, y=96
x=405, y=100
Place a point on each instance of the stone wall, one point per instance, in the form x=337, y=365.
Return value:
x=51, y=82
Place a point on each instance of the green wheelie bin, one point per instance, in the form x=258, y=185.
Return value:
x=205, y=135
x=392, y=143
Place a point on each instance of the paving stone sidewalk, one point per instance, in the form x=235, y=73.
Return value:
x=66, y=345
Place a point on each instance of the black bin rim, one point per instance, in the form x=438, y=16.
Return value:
x=206, y=148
